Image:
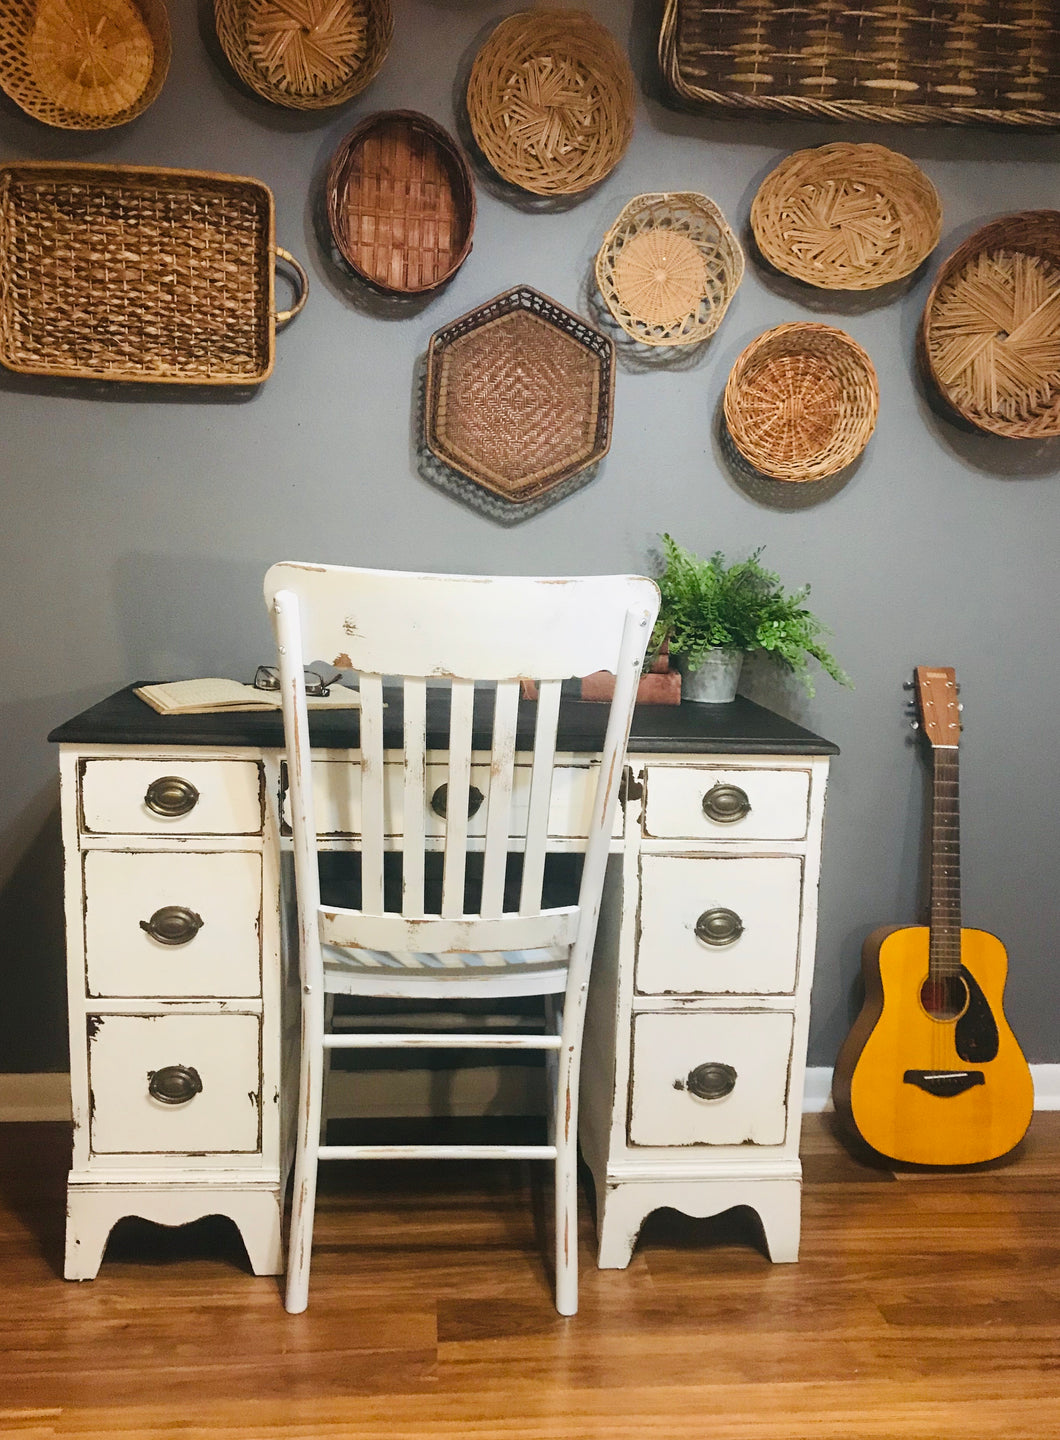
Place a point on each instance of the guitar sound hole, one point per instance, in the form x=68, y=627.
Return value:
x=945, y=999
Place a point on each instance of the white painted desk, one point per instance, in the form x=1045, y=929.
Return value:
x=181, y=1016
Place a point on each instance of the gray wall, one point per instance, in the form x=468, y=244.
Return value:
x=136, y=528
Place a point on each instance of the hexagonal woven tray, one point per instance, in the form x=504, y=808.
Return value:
x=519, y=394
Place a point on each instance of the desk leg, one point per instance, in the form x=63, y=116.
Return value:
x=93, y=1211
x=623, y=1207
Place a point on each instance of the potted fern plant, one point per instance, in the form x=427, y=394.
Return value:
x=713, y=613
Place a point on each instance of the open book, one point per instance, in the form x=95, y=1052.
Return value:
x=203, y=697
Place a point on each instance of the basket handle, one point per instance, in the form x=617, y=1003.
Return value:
x=301, y=289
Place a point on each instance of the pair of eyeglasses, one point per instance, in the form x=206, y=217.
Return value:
x=267, y=677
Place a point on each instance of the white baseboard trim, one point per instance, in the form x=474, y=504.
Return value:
x=47, y=1096
x=818, y=1093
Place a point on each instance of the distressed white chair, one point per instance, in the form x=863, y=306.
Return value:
x=463, y=631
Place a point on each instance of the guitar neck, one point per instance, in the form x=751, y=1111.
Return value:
x=944, y=949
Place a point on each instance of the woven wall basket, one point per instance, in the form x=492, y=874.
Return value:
x=550, y=99
x=958, y=62
x=117, y=272
x=305, y=54
x=990, y=333
x=519, y=394
x=668, y=268
x=846, y=217
x=83, y=64
x=401, y=202
x=801, y=401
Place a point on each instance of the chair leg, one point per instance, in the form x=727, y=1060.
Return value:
x=306, y=1164
x=566, y=1142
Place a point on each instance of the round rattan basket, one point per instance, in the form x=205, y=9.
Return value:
x=83, y=64
x=801, y=401
x=846, y=217
x=550, y=99
x=305, y=54
x=668, y=268
x=990, y=333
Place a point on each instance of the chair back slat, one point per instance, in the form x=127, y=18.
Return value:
x=431, y=933
x=461, y=709
x=499, y=804
x=373, y=820
x=540, y=796
x=414, y=797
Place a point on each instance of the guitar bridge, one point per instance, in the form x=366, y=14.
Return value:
x=944, y=1083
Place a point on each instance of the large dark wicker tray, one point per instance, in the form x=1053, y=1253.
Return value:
x=964, y=62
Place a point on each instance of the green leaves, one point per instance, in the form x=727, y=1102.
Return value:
x=707, y=605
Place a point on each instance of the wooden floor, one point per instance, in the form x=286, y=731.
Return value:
x=924, y=1305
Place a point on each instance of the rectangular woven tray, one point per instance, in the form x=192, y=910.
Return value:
x=127, y=273
x=961, y=62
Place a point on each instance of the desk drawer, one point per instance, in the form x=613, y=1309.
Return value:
x=172, y=797
x=204, y=918
x=739, y=1063
x=178, y=1054
x=729, y=803
x=719, y=925
x=337, y=799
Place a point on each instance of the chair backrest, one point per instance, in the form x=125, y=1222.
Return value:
x=471, y=635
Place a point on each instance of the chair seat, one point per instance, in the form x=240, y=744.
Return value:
x=356, y=971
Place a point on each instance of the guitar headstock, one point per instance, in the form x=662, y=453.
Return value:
x=936, y=693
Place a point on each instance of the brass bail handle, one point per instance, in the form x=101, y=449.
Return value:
x=171, y=796
x=711, y=1081
x=719, y=926
x=173, y=925
x=174, y=1084
x=725, y=804
x=301, y=289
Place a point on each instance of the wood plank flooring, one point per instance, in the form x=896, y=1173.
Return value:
x=924, y=1306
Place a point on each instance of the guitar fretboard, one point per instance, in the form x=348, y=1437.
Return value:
x=944, y=951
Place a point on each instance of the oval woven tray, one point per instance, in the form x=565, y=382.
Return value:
x=519, y=394
x=990, y=333
x=83, y=64
x=846, y=217
x=668, y=268
x=550, y=99
x=305, y=54
x=801, y=401
x=401, y=202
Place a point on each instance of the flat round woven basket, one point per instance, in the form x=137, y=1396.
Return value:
x=550, y=99
x=846, y=217
x=401, y=202
x=305, y=54
x=668, y=268
x=801, y=401
x=990, y=333
x=83, y=64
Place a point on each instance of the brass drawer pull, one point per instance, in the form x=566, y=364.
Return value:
x=440, y=799
x=719, y=926
x=171, y=795
x=173, y=925
x=712, y=1081
x=174, y=1084
x=725, y=804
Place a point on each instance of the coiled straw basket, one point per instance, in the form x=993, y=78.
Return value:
x=550, y=99
x=83, y=64
x=801, y=401
x=668, y=268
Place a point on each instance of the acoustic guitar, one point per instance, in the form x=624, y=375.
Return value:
x=931, y=1073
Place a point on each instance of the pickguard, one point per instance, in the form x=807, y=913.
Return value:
x=975, y=1034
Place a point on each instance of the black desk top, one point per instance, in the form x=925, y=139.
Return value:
x=740, y=727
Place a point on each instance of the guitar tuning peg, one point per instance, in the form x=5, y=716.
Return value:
x=907, y=685
x=960, y=705
x=914, y=724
